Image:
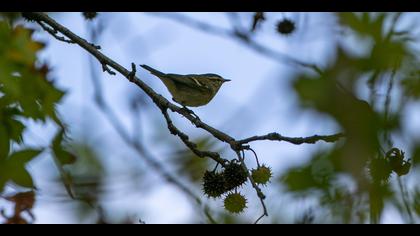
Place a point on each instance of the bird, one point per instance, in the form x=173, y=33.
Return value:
x=192, y=90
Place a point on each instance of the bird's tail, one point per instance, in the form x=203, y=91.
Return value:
x=153, y=71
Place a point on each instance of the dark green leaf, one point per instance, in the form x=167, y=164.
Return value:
x=22, y=177
x=16, y=129
x=21, y=158
x=4, y=142
x=416, y=156
x=62, y=155
x=65, y=157
x=298, y=180
x=365, y=24
x=25, y=83
x=411, y=84
x=3, y=176
x=315, y=175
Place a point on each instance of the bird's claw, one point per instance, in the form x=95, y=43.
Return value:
x=189, y=111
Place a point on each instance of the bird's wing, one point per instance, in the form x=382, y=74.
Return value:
x=190, y=80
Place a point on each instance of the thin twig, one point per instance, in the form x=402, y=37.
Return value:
x=255, y=155
x=260, y=194
x=394, y=22
x=133, y=71
x=294, y=140
x=405, y=200
x=54, y=33
x=387, y=107
x=105, y=68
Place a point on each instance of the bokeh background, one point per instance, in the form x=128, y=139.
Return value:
x=115, y=184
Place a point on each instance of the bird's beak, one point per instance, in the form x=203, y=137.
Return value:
x=226, y=80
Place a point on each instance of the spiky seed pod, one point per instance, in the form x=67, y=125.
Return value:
x=261, y=175
x=286, y=27
x=396, y=161
x=395, y=157
x=27, y=16
x=213, y=184
x=403, y=169
x=235, y=203
x=235, y=175
x=379, y=169
x=90, y=15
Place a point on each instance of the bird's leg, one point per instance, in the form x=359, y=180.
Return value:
x=190, y=112
x=186, y=109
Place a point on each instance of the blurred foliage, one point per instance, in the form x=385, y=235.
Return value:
x=188, y=163
x=23, y=203
x=26, y=93
x=365, y=155
x=87, y=176
x=13, y=168
x=315, y=175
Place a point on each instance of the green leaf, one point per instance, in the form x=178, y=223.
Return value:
x=21, y=158
x=416, y=155
x=299, y=179
x=416, y=204
x=365, y=24
x=387, y=55
x=12, y=127
x=3, y=176
x=411, y=83
x=15, y=165
x=378, y=193
x=317, y=174
x=21, y=80
x=333, y=92
x=13, y=168
x=22, y=177
x=2, y=183
x=16, y=131
x=4, y=142
x=188, y=163
x=62, y=155
x=65, y=157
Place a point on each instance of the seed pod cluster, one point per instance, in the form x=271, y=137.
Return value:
x=215, y=184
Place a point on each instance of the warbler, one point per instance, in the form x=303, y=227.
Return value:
x=191, y=90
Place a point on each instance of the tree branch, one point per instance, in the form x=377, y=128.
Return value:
x=301, y=140
x=260, y=194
